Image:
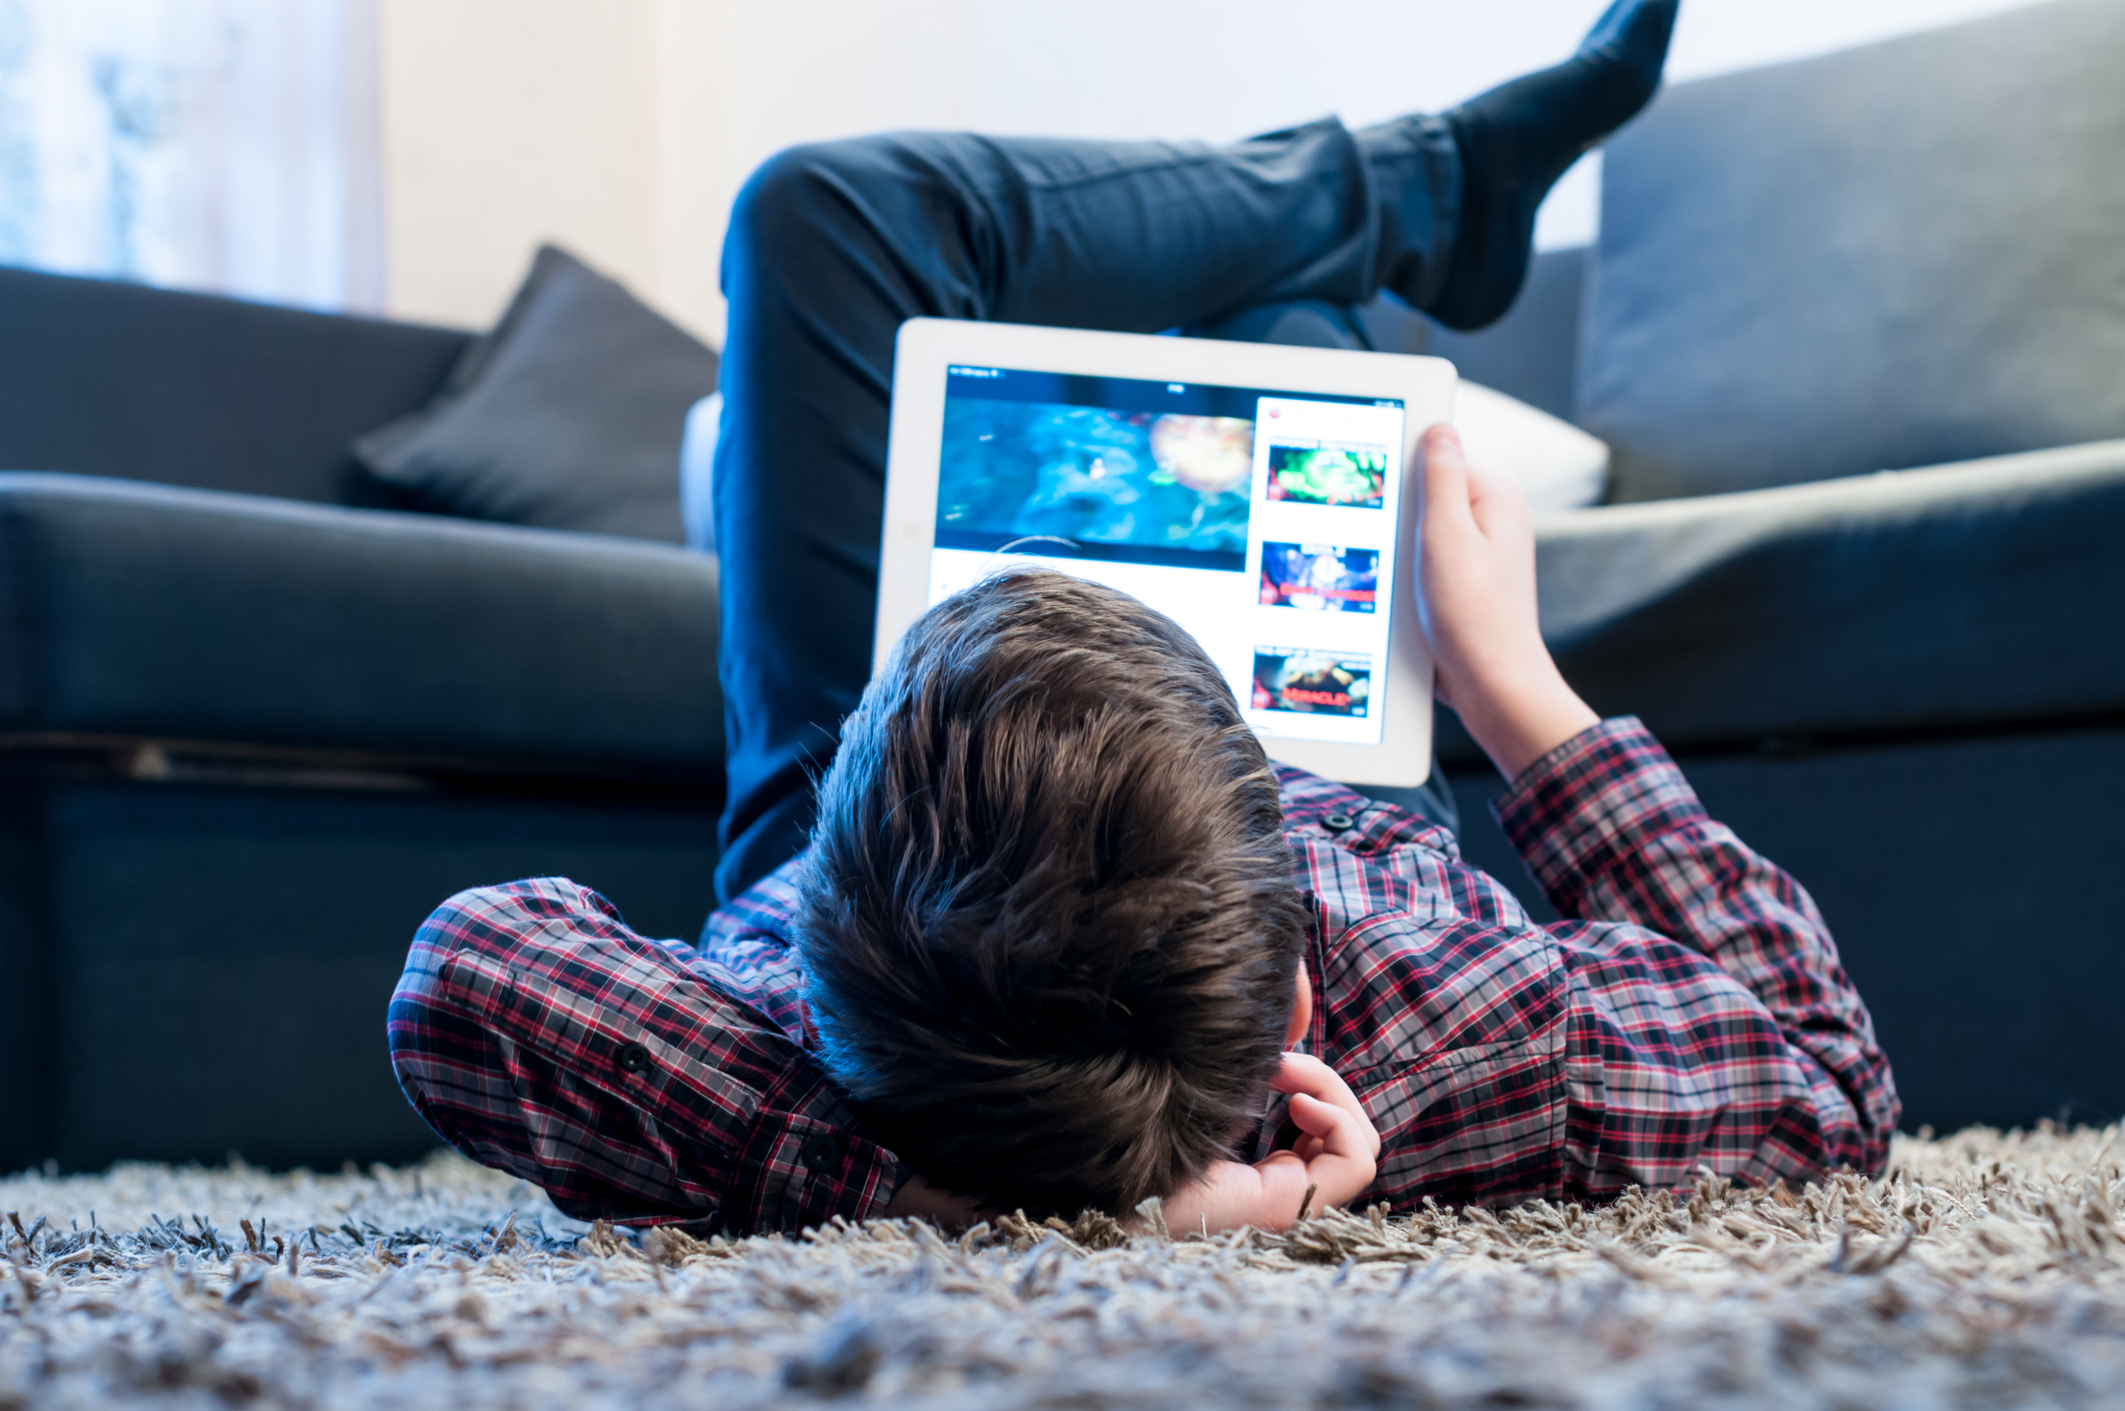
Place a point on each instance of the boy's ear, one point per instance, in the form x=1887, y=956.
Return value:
x=1301, y=1010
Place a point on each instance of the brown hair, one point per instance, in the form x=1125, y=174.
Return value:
x=1049, y=929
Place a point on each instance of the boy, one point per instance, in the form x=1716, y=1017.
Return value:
x=1061, y=930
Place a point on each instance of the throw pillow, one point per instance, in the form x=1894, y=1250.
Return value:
x=1901, y=255
x=567, y=416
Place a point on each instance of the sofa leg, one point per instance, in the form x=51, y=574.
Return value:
x=26, y=993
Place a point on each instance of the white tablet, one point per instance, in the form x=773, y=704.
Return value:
x=1258, y=495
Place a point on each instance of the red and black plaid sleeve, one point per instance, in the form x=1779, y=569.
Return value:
x=1692, y=1013
x=1617, y=839
x=539, y=1035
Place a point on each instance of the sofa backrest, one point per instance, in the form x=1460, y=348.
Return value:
x=1528, y=354
x=106, y=378
x=1899, y=255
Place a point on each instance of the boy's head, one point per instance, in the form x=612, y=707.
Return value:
x=1049, y=928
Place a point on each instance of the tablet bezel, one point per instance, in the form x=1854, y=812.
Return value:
x=926, y=347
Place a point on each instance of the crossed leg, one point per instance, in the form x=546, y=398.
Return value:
x=832, y=246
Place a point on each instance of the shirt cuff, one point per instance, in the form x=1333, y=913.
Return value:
x=1592, y=801
x=797, y=1171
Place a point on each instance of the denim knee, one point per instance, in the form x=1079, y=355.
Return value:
x=804, y=201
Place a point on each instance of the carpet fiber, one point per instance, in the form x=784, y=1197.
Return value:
x=1989, y=1269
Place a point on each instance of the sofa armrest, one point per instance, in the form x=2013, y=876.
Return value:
x=1953, y=598
x=144, y=610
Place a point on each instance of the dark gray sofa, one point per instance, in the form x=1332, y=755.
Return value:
x=257, y=716
x=256, y=720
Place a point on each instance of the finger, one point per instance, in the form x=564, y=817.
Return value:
x=1443, y=489
x=1344, y=1166
x=1495, y=500
x=1338, y=1132
x=1303, y=1073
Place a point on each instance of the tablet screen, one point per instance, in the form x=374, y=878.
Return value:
x=1263, y=522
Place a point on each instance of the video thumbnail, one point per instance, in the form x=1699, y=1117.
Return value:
x=1122, y=485
x=1328, y=473
x=1310, y=682
x=1320, y=577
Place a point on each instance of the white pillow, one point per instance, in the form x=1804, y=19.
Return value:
x=1558, y=465
x=697, y=461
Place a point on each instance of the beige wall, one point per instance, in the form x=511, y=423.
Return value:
x=622, y=128
x=507, y=122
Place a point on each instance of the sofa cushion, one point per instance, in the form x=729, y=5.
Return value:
x=1948, y=600
x=142, y=610
x=1901, y=255
x=567, y=416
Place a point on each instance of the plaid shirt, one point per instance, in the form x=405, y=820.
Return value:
x=1695, y=1012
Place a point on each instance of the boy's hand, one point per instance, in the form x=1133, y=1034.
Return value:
x=1335, y=1154
x=1476, y=601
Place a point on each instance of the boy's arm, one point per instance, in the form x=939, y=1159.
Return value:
x=1614, y=833
x=1476, y=601
x=1618, y=839
x=538, y=1035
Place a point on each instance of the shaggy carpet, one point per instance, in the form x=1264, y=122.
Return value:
x=1988, y=1269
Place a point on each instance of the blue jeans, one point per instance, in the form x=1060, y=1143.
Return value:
x=832, y=246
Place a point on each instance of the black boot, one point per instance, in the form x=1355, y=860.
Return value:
x=1517, y=139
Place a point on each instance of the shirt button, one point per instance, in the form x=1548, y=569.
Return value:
x=822, y=1153
x=634, y=1058
x=1339, y=823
